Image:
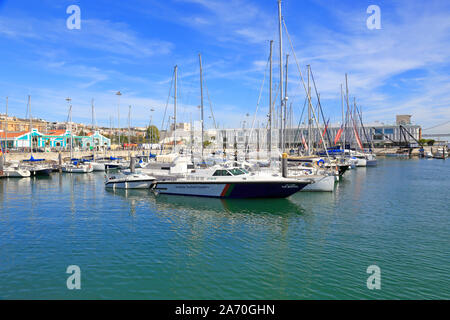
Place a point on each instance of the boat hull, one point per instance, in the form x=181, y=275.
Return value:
x=98, y=166
x=322, y=184
x=144, y=184
x=41, y=172
x=17, y=173
x=361, y=163
x=235, y=190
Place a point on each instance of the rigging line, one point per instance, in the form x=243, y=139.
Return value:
x=209, y=100
x=257, y=104
x=436, y=126
x=362, y=124
x=304, y=85
x=320, y=105
x=300, y=120
x=167, y=103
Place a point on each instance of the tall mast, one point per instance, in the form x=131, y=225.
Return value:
x=93, y=138
x=346, y=95
x=270, y=102
x=6, y=131
x=70, y=126
x=31, y=125
x=281, y=69
x=309, y=112
x=129, y=126
x=175, y=109
x=284, y=111
x=201, y=96
x=92, y=111
x=342, y=106
x=118, y=113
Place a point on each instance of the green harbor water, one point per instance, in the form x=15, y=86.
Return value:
x=135, y=245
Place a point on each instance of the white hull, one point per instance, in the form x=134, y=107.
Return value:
x=129, y=181
x=75, y=169
x=130, y=185
x=96, y=166
x=361, y=163
x=16, y=173
x=324, y=184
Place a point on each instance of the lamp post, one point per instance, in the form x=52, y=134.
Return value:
x=70, y=124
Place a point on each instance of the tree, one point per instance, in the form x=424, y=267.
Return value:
x=206, y=144
x=152, y=134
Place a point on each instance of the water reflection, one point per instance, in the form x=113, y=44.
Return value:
x=279, y=207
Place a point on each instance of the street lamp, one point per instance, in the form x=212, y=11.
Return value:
x=70, y=124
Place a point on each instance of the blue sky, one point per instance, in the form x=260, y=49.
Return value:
x=132, y=46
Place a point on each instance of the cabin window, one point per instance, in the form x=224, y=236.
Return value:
x=221, y=173
x=236, y=171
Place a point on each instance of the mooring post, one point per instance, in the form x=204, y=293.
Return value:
x=284, y=165
x=2, y=161
x=132, y=165
x=59, y=162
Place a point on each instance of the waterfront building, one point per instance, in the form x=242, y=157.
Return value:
x=56, y=139
x=379, y=134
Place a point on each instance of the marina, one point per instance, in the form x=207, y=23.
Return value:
x=264, y=154
x=311, y=245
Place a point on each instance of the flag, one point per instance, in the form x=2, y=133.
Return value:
x=338, y=135
x=358, y=139
x=324, y=131
x=304, y=143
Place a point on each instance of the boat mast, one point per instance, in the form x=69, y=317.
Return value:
x=281, y=70
x=118, y=113
x=93, y=138
x=346, y=95
x=343, y=118
x=309, y=112
x=270, y=103
x=201, y=97
x=129, y=123
x=6, y=130
x=70, y=125
x=175, y=109
x=31, y=126
x=285, y=104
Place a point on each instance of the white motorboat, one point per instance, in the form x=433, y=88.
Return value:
x=77, y=168
x=371, y=160
x=322, y=179
x=98, y=166
x=16, y=172
x=220, y=182
x=129, y=181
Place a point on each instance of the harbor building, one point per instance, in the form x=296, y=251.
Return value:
x=57, y=139
x=376, y=134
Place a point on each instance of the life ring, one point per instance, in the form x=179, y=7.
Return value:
x=320, y=162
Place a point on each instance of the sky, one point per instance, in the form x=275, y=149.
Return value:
x=133, y=46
